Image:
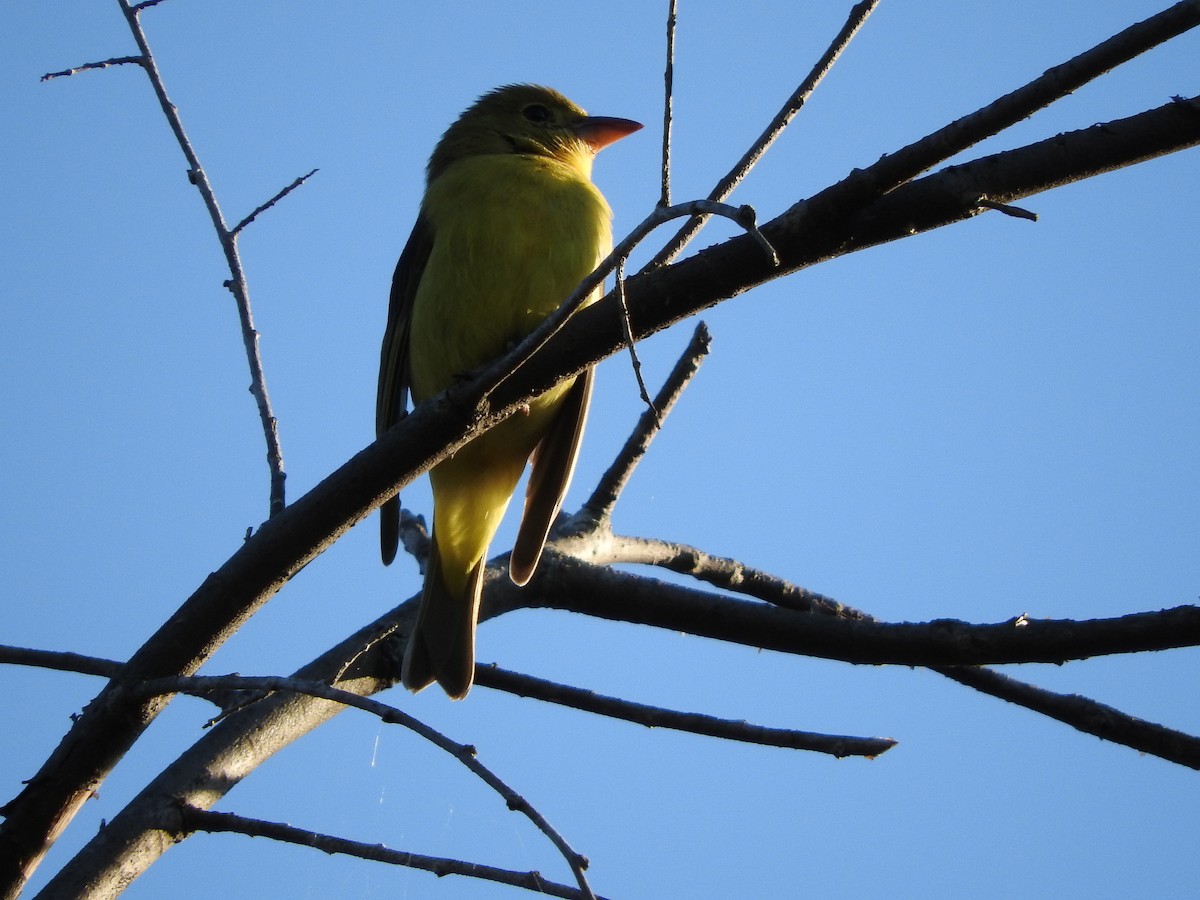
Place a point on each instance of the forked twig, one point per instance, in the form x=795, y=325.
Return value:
x=203, y=685
x=724, y=187
x=236, y=283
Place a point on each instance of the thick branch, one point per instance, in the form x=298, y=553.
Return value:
x=580, y=587
x=1081, y=713
x=1057, y=82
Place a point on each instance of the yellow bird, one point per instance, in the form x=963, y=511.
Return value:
x=509, y=226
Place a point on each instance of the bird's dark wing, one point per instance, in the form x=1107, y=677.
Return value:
x=553, y=463
x=391, y=400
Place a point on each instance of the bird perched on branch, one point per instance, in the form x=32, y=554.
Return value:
x=509, y=226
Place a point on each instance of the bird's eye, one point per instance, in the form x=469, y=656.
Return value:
x=537, y=114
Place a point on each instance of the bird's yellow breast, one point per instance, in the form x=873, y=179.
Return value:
x=512, y=237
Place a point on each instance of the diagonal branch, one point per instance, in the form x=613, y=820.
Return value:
x=1083, y=714
x=263, y=207
x=907, y=163
x=722, y=572
x=192, y=819
x=695, y=723
x=598, y=506
x=576, y=586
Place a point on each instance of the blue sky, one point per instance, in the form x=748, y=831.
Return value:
x=994, y=419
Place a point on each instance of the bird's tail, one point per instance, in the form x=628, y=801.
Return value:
x=442, y=645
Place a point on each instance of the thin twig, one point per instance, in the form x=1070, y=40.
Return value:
x=263, y=207
x=856, y=19
x=744, y=216
x=202, y=685
x=102, y=64
x=656, y=717
x=631, y=345
x=1015, y=211
x=193, y=818
x=600, y=504
x=728, y=574
x=668, y=100
x=236, y=284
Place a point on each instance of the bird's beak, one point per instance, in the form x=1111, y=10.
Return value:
x=600, y=131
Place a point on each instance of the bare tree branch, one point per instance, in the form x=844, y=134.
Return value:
x=599, y=505
x=263, y=207
x=102, y=64
x=630, y=343
x=668, y=99
x=719, y=571
x=60, y=661
x=236, y=284
x=1057, y=82
x=1083, y=714
x=734, y=177
x=656, y=717
x=577, y=586
x=194, y=819
x=204, y=685
x=368, y=661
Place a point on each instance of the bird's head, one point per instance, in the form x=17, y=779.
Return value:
x=531, y=120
